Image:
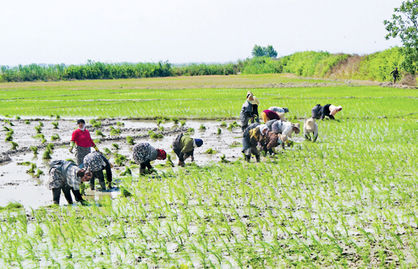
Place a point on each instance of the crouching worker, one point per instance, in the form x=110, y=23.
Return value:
x=271, y=140
x=320, y=112
x=65, y=176
x=268, y=115
x=285, y=128
x=310, y=127
x=184, y=147
x=250, y=139
x=96, y=163
x=144, y=154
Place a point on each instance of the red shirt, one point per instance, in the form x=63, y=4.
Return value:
x=82, y=138
x=271, y=115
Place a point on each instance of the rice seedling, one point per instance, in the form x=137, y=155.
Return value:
x=175, y=120
x=210, y=151
x=126, y=172
x=202, y=128
x=182, y=123
x=14, y=145
x=108, y=151
x=115, y=131
x=100, y=133
x=55, y=137
x=95, y=124
x=219, y=132
x=223, y=124
x=154, y=135
x=39, y=172
x=32, y=168
x=55, y=124
x=120, y=124
x=47, y=154
x=38, y=129
x=115, y=146
x=27, y=121
x=17, y=118
x=9, y=136
x=130, y=140
x=120, y=159
x=34, y=150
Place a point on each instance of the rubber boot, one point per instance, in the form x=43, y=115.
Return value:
x=257, y=157
x=142, y=171
x=248, y=158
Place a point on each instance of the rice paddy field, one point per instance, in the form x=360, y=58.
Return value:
x=348, y=200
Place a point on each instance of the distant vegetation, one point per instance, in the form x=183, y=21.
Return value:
x=376, y=66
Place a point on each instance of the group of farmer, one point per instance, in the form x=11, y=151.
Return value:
x=275, y=129
x=67, y=176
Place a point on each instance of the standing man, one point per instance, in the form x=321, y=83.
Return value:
x=82, y=139
x=184, y=147
x=395, y=74
x=65, y=176
x=249, y=111
x=96, y=163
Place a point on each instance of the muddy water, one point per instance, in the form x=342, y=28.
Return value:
x=17, y=185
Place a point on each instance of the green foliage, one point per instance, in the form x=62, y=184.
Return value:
x=261, y=65
x=202, y=127
x=32, y=168
x=55, y=137
x=11, y=206
x=55, y=124
x=14, y=145
x=120, y=159
x=219, y=132
x=404, y=25
x=377, y=66
x=210, y=151
x=91, y=70
x=130, y=140
x=95, y=124
x=154, y=135
x=100, y=133
x=115, y=131
x=268, y=51
x=34, y=149
x=310, y=63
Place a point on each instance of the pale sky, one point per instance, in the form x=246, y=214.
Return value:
x=182, y=31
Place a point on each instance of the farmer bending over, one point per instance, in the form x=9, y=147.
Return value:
x=184, y=147
x=252, y=135
x=267, y=115
x=96, y=163
x=320, y=112
x=143, y=154
x=65, y=176
x=81, y=137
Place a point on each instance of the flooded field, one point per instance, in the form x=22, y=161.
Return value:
x=31, y=190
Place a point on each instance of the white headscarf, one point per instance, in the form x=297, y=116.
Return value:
x=262, y=128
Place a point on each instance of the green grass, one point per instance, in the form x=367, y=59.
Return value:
x=349, y=200
x=196, y=97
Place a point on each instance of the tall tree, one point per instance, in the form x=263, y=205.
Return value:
x=404, y=24
x=259, y=51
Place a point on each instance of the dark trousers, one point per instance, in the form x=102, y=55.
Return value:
x=100, y=176
x=56, y=194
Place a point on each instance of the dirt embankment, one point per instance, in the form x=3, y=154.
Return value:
x=349, y=68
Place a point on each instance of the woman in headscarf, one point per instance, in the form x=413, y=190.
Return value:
x=143, y=154
x=184, y=146
x=82, y=140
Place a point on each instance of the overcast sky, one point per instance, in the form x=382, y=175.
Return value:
x=181, y=31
